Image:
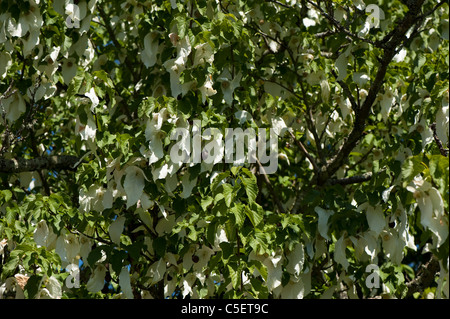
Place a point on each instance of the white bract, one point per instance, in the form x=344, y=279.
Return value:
x=324, y=215
x=134, y=184
x=432, y=215
x=207, y=89
x=116, y=228
x=97, y=279
x=228, y=85
x=5, y=63
x=151, y=46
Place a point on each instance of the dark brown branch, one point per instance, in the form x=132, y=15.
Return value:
x=62, y=162
x=351, y=180
x=425, y=277
x=339, y=26
x=362, y=114
x=442, y=150
x=304, y=151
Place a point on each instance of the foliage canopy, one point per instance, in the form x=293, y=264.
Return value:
x=92, y=206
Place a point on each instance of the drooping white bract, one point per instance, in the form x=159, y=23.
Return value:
x=274, y=271
x=204, y=255
x=51, y=64
x=67, y=247
x=375, y=219
x=360, y=78
x=296, y=260
x=41, y=233
x=125, y=283
x=188, y=184
x=177, y=65
x=5, y=63
x=87, y=131
x=279, y=126
x=151, y=46
x=423, y=128
x=52, y=290
x=14, y=106
x=93, y=97
x=400, y=56
x=116, y=228
x=319, y=77
x=324, y=215
x=433, y=40
x=154, y=135
x=339, y=252
x=157, y=270
x=344, y=105
x=85, y=248
x=392, y=245
x=97, y=279
x=203, y=54
x=386, y=102
x=72, y=246
x=341, y=63
x=243, y=116
x=297, y=287
x=134, y=184
x=207, y=89
x=69, y=69
x=431, y=205
x=442, y=120
x=228, y=85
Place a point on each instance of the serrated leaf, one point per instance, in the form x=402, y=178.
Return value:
x=251, y=188
x=239, y=214
x=234, y=276
x=10, y=215
x=411, y=167
x=255, y=214
x=228, y=194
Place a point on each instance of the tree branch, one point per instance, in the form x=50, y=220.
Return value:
x=351, y=180
x=19, y=165
x=425, y=277
x=390, y=49
x=442, y=150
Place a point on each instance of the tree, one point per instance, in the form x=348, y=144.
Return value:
x=116, y=160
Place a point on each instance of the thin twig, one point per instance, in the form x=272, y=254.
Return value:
x=304, y=151
x=442, y=150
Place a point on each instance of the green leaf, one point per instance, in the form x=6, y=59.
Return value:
x=6, y=194
x=228, y=191
x=32, y=286
x=255, y=214
x=159, y=245
x=411, y=167
x=238, y=211
x=251, y=188
x=147, y=106
x=235, y=276
x=259, y=242
x=95, y=255
x=10, y=215
x=102, y=75
x=205, y=202
x=438, y=166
